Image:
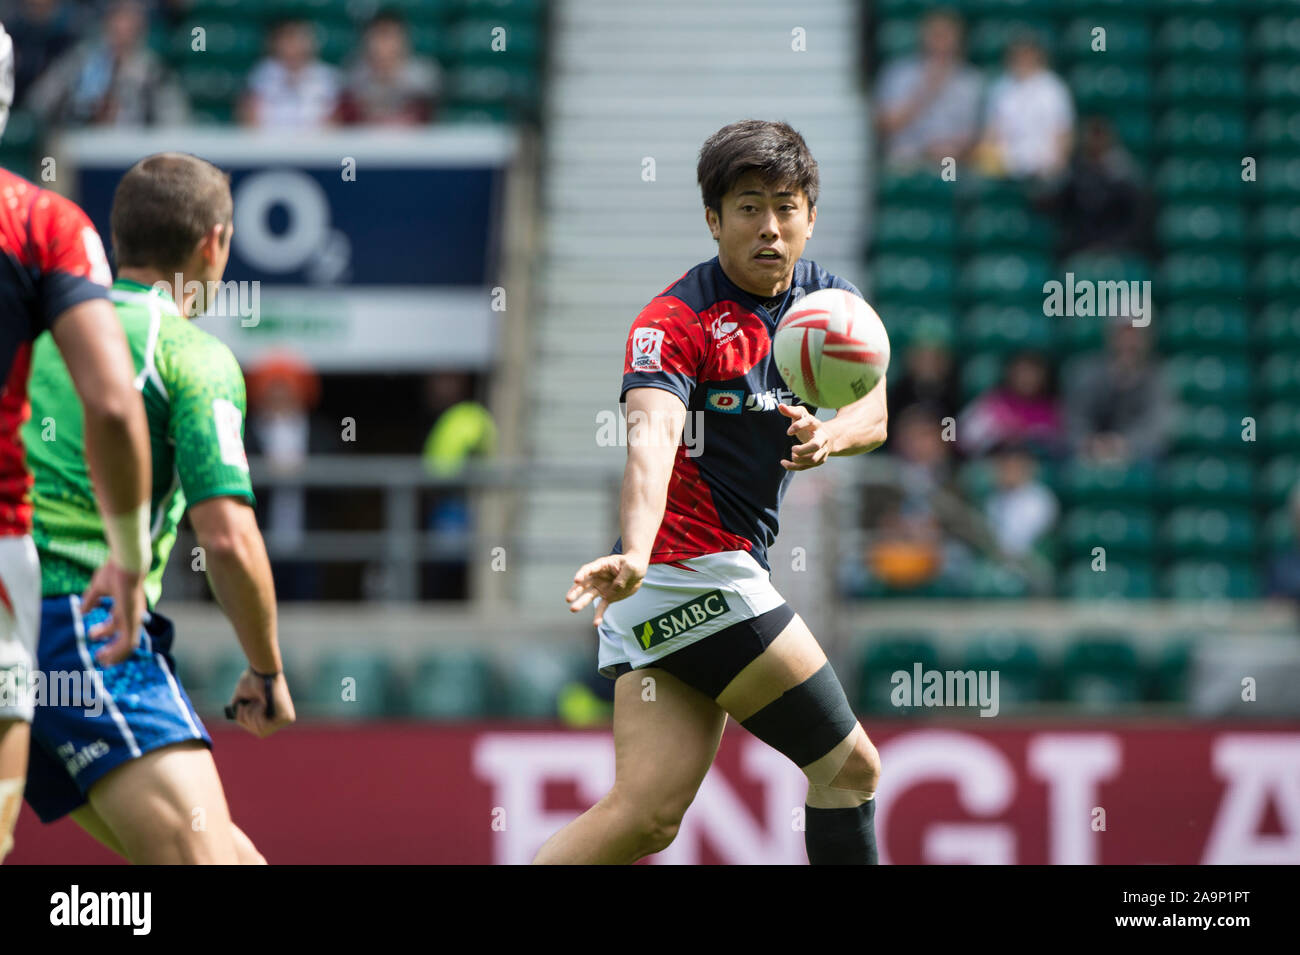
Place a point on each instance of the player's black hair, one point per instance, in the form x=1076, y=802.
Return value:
x=163, y=206
x=773, y=150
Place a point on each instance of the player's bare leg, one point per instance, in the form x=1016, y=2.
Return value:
x=14, y=736
x=842, y=774
x=88, y=819
x=662, y=751
x=150, y=803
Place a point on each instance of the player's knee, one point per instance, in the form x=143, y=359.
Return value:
x=861, y=772
x=653, y=820
x=659, y=829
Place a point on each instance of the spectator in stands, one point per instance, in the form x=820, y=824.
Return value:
x=112, y=79
x=1284, y=568
x=1102, y=205
x=928, y=105
x=292, y=88
x=1118, y=404
x=42, y=31
x=1022, y=509
x=282, y=391
x=928, y=377
x=1022, y=409
x=388, y=85
x=1030, y=121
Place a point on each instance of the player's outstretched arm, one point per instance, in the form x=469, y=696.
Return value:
x=655, y=419
x=95, y=351
x=240, y=574
x=856, y=428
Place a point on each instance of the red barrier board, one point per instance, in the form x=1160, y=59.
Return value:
x=1061, y=794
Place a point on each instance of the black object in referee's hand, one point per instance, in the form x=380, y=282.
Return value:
x=268, y=681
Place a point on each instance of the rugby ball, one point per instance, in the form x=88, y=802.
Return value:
x=831, y=348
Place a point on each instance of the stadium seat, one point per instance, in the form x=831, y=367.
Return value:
x=1126, y=579
x=235, y=45
x=531, y=680
x=1006, y=328
x=1013, y=655
x=1278, y=478
x=1100, y=671
x=1109, y=87
x=1005, y=227
x=451, y=685
x=1280, y=376
x=907, y=322
x=914, y=189
x=908, y=229
x=884, y=654
x=1275, y=130
x=1135, y=131
x=351, y=684
x=979, y=373
x=897, y=37
x=987, y=39
x=211, y=687
x=1128, y=40
x=1210, y=131
x=1279, y=177
x=1204, y=273
x=1277, y=84
x=1209, y=531
x=1189, y=325
x=1277, y=276
x=1278, y=327
x=1210, y=377
x=1106, y=266
x=1201, y=39
x=1276, y=37
x=912, y=278
x=1211, y=580
x=1202, y=224
x=990, y=580
x=1279, y=531
x=1127, y=531
x=1005, y=277
x=1199, y=178
x=1275, y=226
x=1214, y=428
x=1166, y=676
x=1198, y=84
x=1108, y=485
x=1202, y=480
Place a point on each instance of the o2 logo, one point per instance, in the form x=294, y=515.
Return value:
x=309, y=244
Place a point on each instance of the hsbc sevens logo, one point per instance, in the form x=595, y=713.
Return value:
x=647, y=349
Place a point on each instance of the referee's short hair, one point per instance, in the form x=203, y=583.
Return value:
x=163, y=206
x=773, y=150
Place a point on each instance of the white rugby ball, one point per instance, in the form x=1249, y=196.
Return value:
x=831, y=348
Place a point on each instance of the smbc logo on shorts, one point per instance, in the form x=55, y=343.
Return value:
x=680, y=619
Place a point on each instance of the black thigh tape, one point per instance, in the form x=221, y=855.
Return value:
x=808, y=721
x=710, y=664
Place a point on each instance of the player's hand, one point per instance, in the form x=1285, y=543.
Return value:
x=249, y=703
x=122, y=628
x=814, y=435
x=610, y=578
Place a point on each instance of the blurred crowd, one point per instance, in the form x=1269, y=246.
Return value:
x=90, y=64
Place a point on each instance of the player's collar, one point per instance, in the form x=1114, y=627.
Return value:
x=137, y=293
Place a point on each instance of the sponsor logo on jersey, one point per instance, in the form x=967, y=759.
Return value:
x=230, y=437
x=681, y=619
x=724, y=332
x=728, y=402
x=75, y=760
x=647, y=349
x=768, y=400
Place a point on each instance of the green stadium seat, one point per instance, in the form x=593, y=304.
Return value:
x=1128, y=40
x=211, y=85
x=236, y=45
x=909, y=322
x=1275, y=131
x=1126, y=531
x=1277, y=276
x=912, y=278
x=884, y=654
x=987, y=40
x=909, y=229
x=1280, y=376
x=978, y=480
x=979, y=373
x=915, y=189
x=351, y=684
x=1190, y=325
x=1188, y=131
x=451, y=685
x=1279, y=178
x=1106, y=266
x=211, y=687
x=896, y=38
x=1013, y=655
x=990, y=580
x=1132, y=579
x=1201, y=38
x=1005, y=227
x=1198, y=84
x=1135, y=131
x=478, y=114
x=1199, y=178
x=1275, y=226
x=1216, y=224
x=1213, y=428
x=1101, y=671
x=1195, y=479
x=1211, y=580
x=1209, y=531
x=1213, y=377
x=1167, y=676
x=1109, y=87
x=1205, y=273
x=1279, y=530
x=1277, y=326
x=1278, y=479
x=22, y=132
x=1006, y=328
x=1278, y=428
x=471, y=41
x=1277, y=84
x=531, y=680
x=1108, y=485
x=1005, y=277
x=338, y=40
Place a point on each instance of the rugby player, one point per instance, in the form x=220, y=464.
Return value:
x=686, y=598
x=53, y=275
x=139, y=776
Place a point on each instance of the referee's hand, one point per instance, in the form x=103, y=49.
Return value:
x=121, y=631
x=249, y=703
x=609, y=578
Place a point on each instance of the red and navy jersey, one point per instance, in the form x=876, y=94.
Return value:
x=53, y=259
x=710, y=343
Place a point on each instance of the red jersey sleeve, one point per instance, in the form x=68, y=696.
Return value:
x=665, y=349
x=69, y=255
